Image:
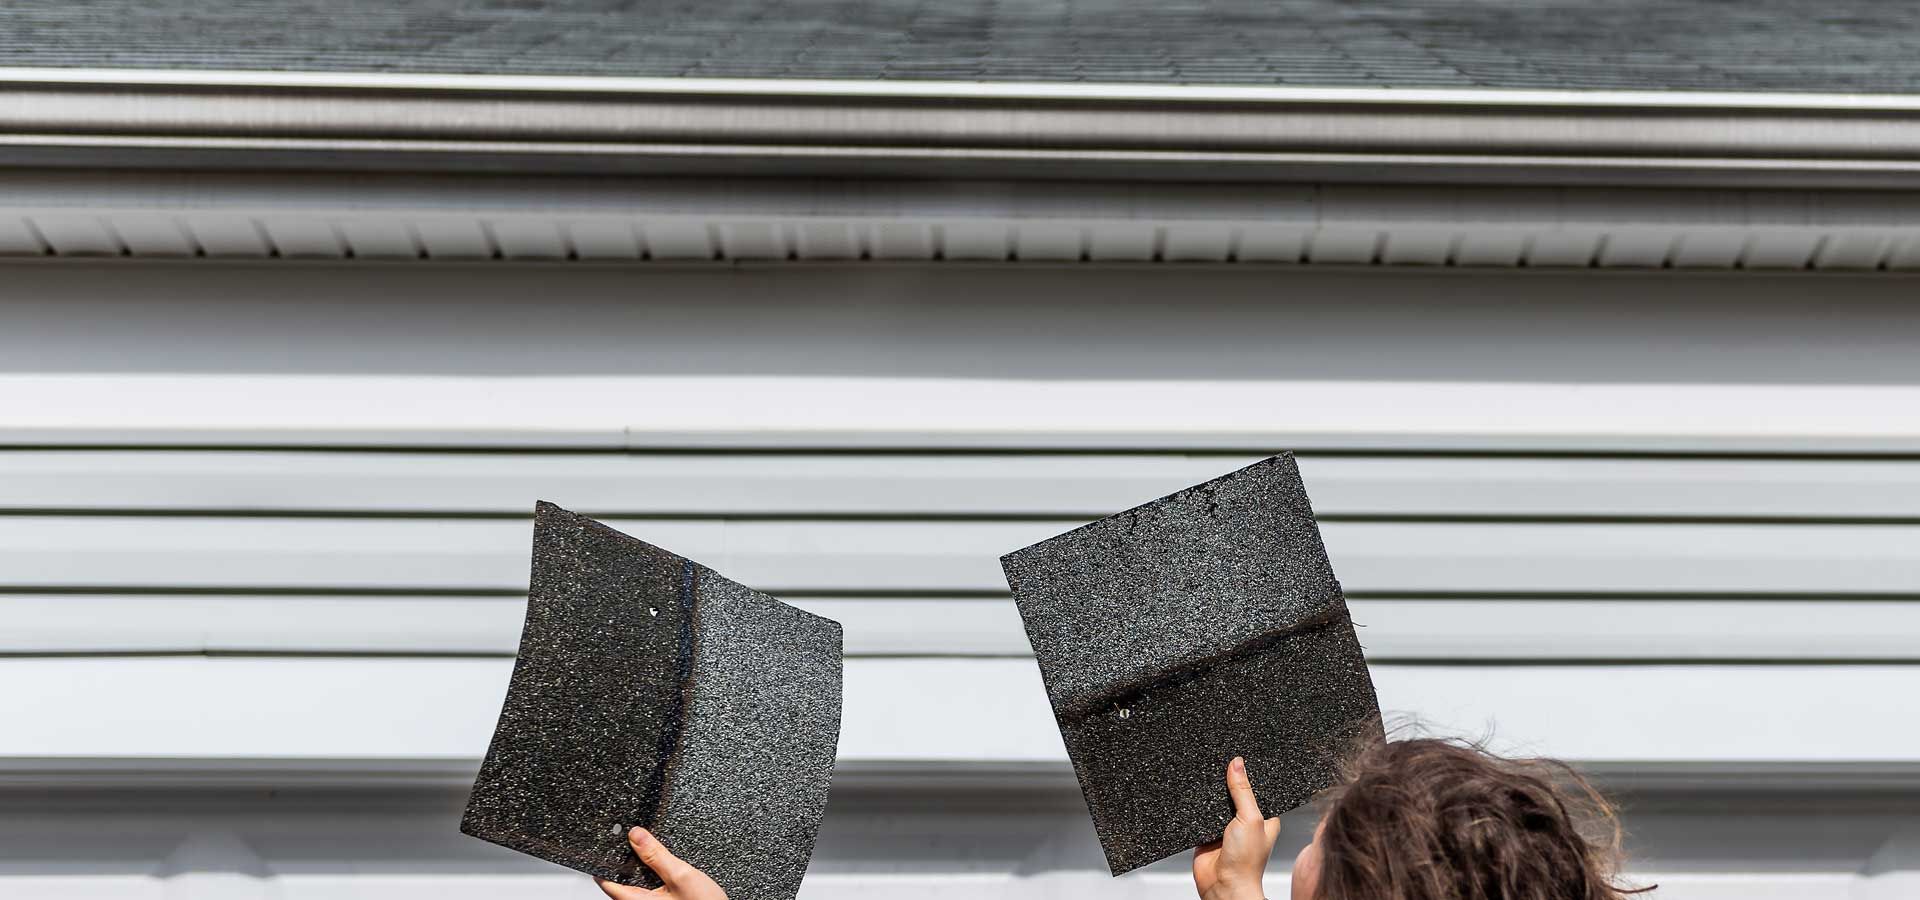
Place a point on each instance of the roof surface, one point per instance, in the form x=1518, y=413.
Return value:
x=1703, y=45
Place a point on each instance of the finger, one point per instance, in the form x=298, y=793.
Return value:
x=1273, y=829
x=1244, y=805
x=669, y=867
x=623, y=891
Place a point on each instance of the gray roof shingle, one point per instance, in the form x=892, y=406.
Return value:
x=1717, y=45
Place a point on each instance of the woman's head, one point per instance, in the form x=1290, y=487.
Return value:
x=1439, y=820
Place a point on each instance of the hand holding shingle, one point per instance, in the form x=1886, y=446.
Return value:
x=1231, y=868
x=678, y=879
x=1179, y=633
x=654, y=696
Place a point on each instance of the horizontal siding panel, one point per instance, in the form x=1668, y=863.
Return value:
x=148, y=710
x=1467, y=630
x=1007, y=844
x=1021, y=841
x=790, y=413
x=365, y=554
x=865, y=484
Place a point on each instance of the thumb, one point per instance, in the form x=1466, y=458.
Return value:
x=1244, y=804
x=669, y=867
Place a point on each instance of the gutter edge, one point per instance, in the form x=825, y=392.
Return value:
x=1092, y=92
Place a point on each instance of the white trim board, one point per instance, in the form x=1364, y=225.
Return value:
x=612, y=412
x=385, y=555
x=936, y=484
x=1456, y=630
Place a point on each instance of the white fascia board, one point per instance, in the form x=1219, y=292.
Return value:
x=372, y=121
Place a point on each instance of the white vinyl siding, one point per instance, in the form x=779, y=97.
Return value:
x=265, y=526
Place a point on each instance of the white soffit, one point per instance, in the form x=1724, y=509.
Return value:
x=457, y=218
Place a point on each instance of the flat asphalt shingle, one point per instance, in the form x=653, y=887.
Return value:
x=1717, y=45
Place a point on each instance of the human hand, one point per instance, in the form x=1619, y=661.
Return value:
x=680, y=880
x=1231, y=868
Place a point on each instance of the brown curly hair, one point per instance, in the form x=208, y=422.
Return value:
x=1429, y=819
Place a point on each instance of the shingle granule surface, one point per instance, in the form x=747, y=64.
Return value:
x=1179, y=634
x=1843, y=46
x=651, y=691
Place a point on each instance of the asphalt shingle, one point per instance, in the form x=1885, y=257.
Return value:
x=1753, y=45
